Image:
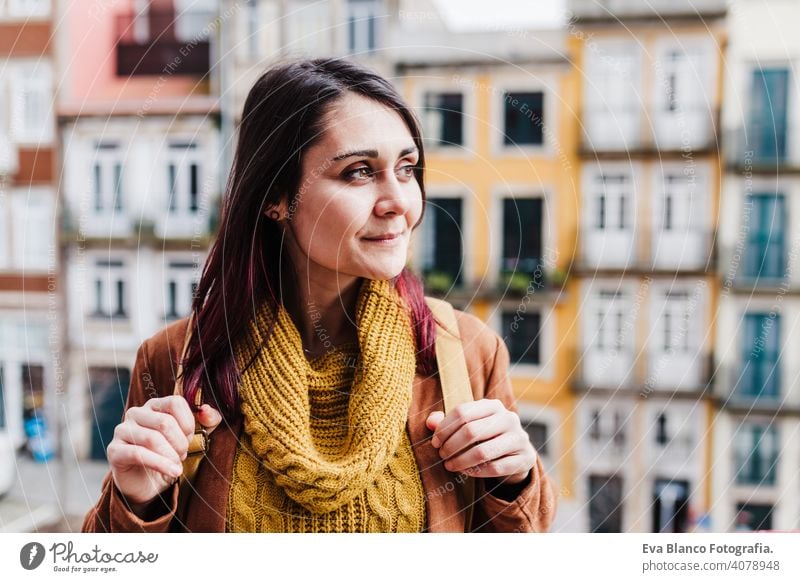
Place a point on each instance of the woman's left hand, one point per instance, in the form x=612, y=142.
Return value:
x=483, y=439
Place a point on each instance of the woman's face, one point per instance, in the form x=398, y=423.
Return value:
x=358, y=199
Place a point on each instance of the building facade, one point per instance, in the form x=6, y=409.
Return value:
x=139, y=131
x=649, y=196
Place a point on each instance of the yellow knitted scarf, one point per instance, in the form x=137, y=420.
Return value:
x=325, y=446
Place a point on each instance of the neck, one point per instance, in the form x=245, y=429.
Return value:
x=324, y=311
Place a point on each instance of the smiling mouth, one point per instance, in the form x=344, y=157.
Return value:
x=383, y=238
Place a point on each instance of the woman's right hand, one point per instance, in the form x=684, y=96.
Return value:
x=149, y=446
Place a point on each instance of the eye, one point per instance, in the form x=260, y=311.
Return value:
x=407, y=170
x=361, y=172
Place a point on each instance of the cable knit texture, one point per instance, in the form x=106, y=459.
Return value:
x=325, y=447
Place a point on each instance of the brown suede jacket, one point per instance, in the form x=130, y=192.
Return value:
x=499, y=508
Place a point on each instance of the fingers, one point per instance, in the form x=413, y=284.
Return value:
x=433, y=420
x=462, y=414
x=209, y=417
x=163, y=423
x=122, y=454
x=485, y=452
x=177, y=407
x=475, y=432
x=497, y=468
x=147, y=438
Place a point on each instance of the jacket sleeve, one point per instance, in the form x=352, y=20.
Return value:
x=112, y=513
x=533, y=508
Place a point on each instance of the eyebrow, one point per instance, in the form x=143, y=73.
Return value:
x=370, y=153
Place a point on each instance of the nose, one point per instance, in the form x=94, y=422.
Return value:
x=393, y=195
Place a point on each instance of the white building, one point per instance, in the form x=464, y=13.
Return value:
x=649, y=196
x=757, y=433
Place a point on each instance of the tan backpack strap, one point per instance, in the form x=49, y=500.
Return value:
x=198, y=446
x=453, y=377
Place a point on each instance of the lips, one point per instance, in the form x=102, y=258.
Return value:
x=387, y=236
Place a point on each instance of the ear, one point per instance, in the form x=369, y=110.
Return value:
x=281, y=208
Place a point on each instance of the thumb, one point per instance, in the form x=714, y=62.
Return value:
x=209, y=417
x=433, y=420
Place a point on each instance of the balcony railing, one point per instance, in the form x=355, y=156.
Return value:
x=752, y=387
x=163, y=42
x=762, y=147
x=641, y=130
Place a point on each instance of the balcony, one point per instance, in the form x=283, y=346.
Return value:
x=162, y=42
x=645, y=251
x=762, y=148
x=639, y=131
x=752, y=389
x=658, y=10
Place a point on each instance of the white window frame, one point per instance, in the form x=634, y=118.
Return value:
x=362, y=11
x=5, y=231
x=549, y=233
x=30, y=231
x=542, y=83
x=183, y=270
x=467, y=242
x=544, y=369
x=28, y=8
x=308, y=28
x=590, y=214
x=599, y=56
x=693, y=115
x=180, y=221
x=531, y=412
x=107, y=157
x=446, y=84
x=109, y=271
x=34, y=76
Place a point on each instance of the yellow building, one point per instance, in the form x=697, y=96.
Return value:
x=500, y=233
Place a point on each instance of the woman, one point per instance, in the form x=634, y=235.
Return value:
x=313, y=346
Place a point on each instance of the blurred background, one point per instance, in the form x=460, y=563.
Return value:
x=611, y=186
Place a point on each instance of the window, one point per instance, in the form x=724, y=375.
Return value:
x=33, y=228
x=605, y=504
x=181, y=284
x=619, y=428
x=32, y=389
x=610, y=315
x=670, y=506
x=761, y=347
x=613, y=202
x=108, y=391
x=109, y=289
x=612, y=93
x=768, y=118
x=522, y=334
x=676, y=322
x=362, y=22
x=537, y=432
x=2, y=398
x=522, y=238
x=523, y=116
x=751, y=517
x=5, y=233
x=756, y=454
x=309, y=28
x=183, y=179
x=683, y=90
x=765, y=255
x=28, y=7
x=107, y=181
x=442, y=252
x=32, y=103
x=594, y=426
x=444, y=118
x=662, y=437
x=251, y=16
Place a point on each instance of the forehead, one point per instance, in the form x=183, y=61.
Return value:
x=356, y=122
